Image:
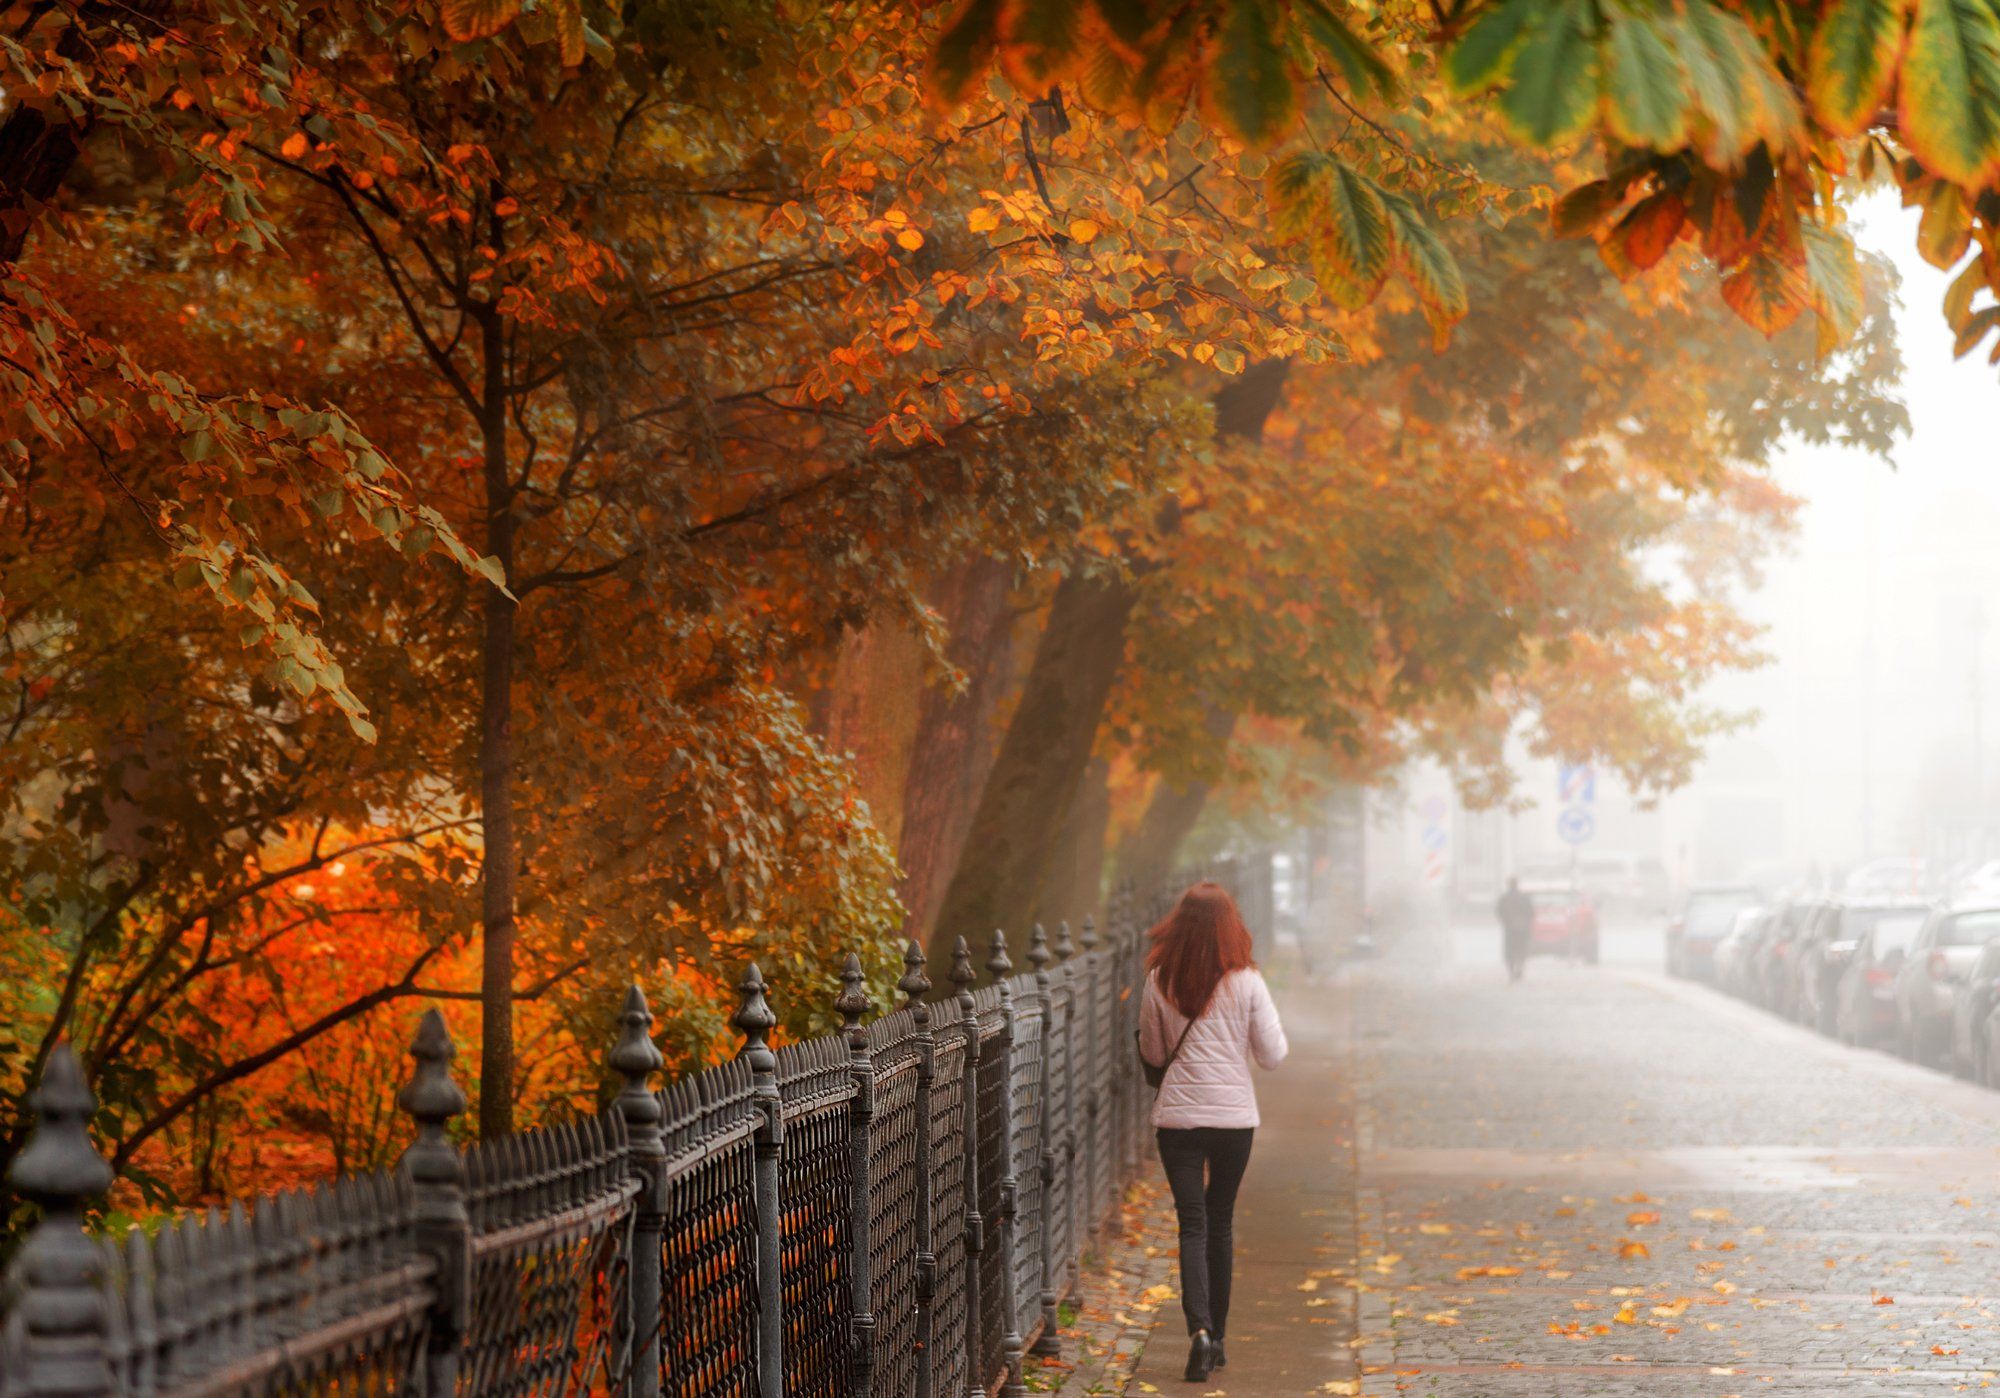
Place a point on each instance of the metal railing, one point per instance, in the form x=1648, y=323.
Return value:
x=895, y=1209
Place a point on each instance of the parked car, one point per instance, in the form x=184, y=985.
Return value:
x=1939, y=961
x=1705, y=919
x=1972, y=1004
x=1565, y=921
x=1902, y=875
x=1866, y=999
x=1732, y=954
x=1775, y=979
x=1826, y=944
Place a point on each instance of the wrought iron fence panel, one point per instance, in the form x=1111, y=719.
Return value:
x=708, y=1253
x=551, y=1212
x=311, y=1291
x=897, y=1176
x=816, y=1202
x=950, y=1345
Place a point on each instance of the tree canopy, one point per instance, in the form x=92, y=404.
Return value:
x=503, y=498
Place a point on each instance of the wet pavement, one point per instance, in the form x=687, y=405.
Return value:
x=1597, y=1183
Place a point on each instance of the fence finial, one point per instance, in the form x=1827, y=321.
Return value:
x=1064, y=947
x=1088, y=941
x=962, y=974
x=753, y=1019
x=997, y=960
x=635, y=1058
x=430, y=1095
x=59, y=1168
x=1038, y=948
x=852, y=1002
x=915, y=985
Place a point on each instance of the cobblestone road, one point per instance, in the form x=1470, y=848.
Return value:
x=1601, y=1183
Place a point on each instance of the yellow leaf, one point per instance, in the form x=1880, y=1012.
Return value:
x=909, y=240
x=1083, y=230
x=982, y=220
x=295, y=146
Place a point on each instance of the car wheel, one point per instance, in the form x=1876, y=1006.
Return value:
x=1928, y=1051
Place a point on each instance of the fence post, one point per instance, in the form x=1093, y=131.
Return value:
x=1093, y=1085
x=1124, y=1096
x=1001, y=966
x=962, y=976
x=58, y=1276
x=754, y=1020
x=437, y=1189
x=1049, y=1342
x=1065, y=951
x=915, y=985
x=853, y=1004
x=635, y=1059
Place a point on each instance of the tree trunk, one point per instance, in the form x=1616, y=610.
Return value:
x=1022, y=811
x=952, y=751
x=868, y=711
x=1074, y=888
x=1148, y=856
x=1041, y=761
x=500, y=867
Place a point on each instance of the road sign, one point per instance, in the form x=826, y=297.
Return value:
x=1435, y=839
x=1576, y=825
x=1576, y=784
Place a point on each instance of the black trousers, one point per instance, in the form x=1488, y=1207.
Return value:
x=1204, y=1168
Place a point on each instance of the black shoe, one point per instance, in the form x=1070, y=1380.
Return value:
x=1201, y=1357
x=1216, y=1358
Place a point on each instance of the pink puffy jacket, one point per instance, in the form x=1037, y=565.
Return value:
x=1209, y=1083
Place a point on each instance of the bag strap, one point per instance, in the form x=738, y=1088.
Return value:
x=1185, y=1028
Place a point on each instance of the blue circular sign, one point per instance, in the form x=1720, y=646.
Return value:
x=1576, y=825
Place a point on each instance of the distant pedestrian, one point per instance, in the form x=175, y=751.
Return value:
x=1206, y=1017
x=1517, y=921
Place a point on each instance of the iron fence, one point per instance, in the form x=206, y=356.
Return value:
x=896, y=1210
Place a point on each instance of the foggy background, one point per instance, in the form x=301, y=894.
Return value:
x=1876, y=732
x=1875, y=737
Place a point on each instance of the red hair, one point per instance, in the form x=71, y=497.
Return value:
x=1202, y=940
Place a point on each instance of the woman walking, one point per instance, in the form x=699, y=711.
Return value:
x=1206, y=1016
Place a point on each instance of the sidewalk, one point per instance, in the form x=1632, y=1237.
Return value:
x=1295, y=1314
